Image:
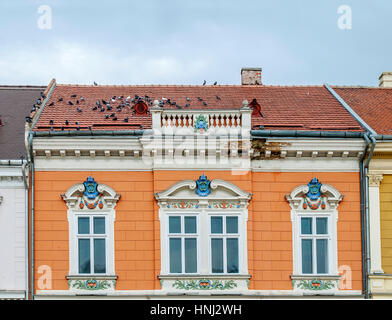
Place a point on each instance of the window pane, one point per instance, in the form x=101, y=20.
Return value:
x=99, y=225
x=322, y=255
x=190, y=255
x=190, y=224
x=217, y=255
x=306, y=225
x=99, y=256
x=175, y=255
x=174, y=224
x=307, y=263
x=322, y=225
x=83, y=225
x=232, y=255
x=231, y=224
x=216, y=225
x=84, y=255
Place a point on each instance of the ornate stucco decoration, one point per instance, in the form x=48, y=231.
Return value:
x=375, y=179
x=203, y=193
x=90, y=195
x=314, y=196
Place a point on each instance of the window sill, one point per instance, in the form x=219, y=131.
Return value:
x=204, y=282
x=91, y=282
x=316, y=284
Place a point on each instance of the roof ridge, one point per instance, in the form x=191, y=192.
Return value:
x=358, y=87
x=20, y=87
x=186, y=85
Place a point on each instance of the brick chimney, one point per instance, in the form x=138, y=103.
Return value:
x=385, y=80
x=251, y=76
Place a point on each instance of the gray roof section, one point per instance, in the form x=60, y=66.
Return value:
x=15, y=105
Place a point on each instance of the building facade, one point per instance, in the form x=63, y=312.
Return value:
x=247, y=191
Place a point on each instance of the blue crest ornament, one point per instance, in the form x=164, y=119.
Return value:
x=90, y=186
x=314, y=189
x=203, y=186
x=201, y=124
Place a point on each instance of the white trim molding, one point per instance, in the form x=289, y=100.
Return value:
x=374, y=223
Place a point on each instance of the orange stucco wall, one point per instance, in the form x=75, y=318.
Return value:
x=137, y=230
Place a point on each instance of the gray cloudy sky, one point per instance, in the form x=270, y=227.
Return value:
x=187, y=41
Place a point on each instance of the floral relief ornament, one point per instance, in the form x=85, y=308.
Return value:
x=204, y=284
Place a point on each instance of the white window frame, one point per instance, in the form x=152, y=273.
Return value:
x=296, y=200
x=183, y=236
x=91, y=236
x=203, y=208
x=109, y=200
x=314, y=237
x=224, y=235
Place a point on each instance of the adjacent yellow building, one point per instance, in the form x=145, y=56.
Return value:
x=374, y=106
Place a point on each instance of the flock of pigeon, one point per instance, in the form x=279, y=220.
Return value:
x=115, y=105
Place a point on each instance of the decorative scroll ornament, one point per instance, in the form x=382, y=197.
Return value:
x=203, y=186
x=201, y=124
x=204, y=284
x=92, y=284
x=315, y=285
x=224, y=205
x=182, y=205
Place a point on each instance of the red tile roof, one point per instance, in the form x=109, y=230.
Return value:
x=282, y=107
x=372, y=104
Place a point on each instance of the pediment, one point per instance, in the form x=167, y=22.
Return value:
x=325, y=196
x=187, y=190
x=90, y=195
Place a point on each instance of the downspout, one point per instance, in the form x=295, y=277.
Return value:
x=26, y=185
x=32, y=215
x=374, y=142
x=363, y=218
